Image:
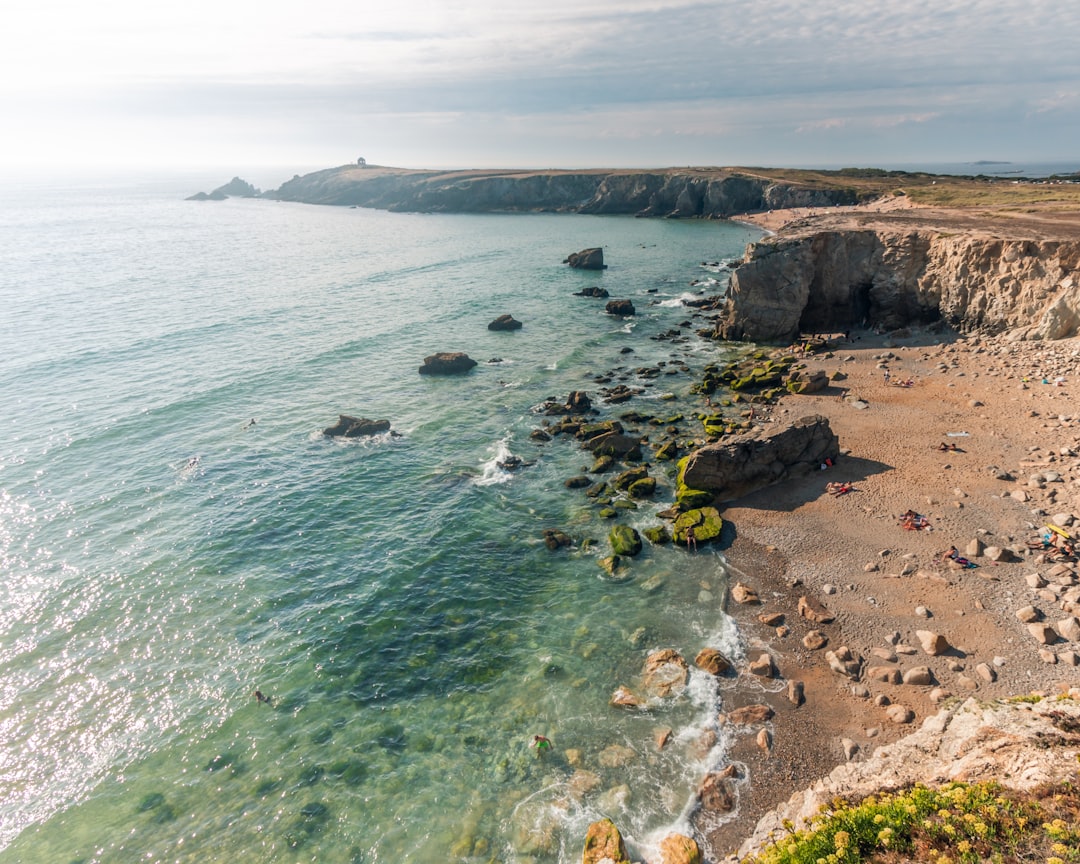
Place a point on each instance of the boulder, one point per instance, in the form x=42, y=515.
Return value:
x=604, y=843
x=753, y=460
x=556, y=539
x=813, y=610
x=356, y=427
x=643, y=488
x=616, y=445
x=679, y=849
x=712, y=661
x=627, y=478
x=505, y=322
x=620, y=307
x=665, y=673
x=657, y=535
x=843, y=662
x=623, y=697
x=594, y=291
x=624, y=541
x=762, y=666
x=715, y=794
x=932, y=643
x=744, y=594
x=750, y=714
x=705, y=522
x=919, y=676
x=447, y=363
x=586, y=259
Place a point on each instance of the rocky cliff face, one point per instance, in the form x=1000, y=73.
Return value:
x=700, y=193
x=832, y=280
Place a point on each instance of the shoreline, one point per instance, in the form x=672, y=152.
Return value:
x=884, y=583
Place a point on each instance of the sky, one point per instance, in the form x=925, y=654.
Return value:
x=548, y=83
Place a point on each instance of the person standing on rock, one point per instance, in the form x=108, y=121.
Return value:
x=691, y=538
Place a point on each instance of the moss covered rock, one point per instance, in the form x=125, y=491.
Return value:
x=603, y=842
x=704, y=521
x=643, y=488
x=624, y=541
x=658, y=535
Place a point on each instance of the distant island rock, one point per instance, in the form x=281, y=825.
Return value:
x=235, y=188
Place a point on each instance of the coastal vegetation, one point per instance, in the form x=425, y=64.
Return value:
x=959, y=823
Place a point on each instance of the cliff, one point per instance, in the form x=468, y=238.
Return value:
x=834, y=279
x=677, y=193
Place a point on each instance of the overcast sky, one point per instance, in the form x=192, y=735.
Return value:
x=548, y=83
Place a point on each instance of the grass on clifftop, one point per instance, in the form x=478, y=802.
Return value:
x=936, y=190
x=957, y=824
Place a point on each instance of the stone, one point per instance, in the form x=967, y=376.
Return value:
x=744, y=594
x=762, y=666
x=815, y=640
x=1069, y=658
x=447, y=363
x=679, y=849
x=932, y=643
x=843, y=662
x=643, y=488
x=771, y=619
x=919, y=676
x=665, y=672
x=939, y=695
x=712, y=661
x=884, y=674
x=1028, y=614
x=974, y=548
x=748, y=715
x=1000, y=554
x=764, y=741
x=593, y=291
x=850, y=748
x=657, y=535
x=579, y=482
x=1069, y=628
x=582, y=782
x=356, y=427
x=1043, y=633
x=886, y=654
x=813, y=610
x=795, y=693
x=986, y=672
x=505, y=323
x=900, y=714
x=604, y=843
x=662, y=736
x=623, y=697
x=715, y=795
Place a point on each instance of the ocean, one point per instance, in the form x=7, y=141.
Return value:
x=176, y=533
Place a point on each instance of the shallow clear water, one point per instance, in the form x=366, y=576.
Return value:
x=161, y=557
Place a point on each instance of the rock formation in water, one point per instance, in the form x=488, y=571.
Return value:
x=833, y=280
x=447, y=363
x=587, y=259
x=356, y=427
x=235, y=188
x=505, y=323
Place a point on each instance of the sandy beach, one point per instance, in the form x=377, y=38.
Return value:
x=1014, y=470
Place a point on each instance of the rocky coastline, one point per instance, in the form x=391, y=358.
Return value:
x=948, y=381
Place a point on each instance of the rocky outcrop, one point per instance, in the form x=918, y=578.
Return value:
x=744, y=463
x=709, y=193
x=447, y=363
x=620, y=307
x=587, y=259
x=235, y=188
x=832, y=280
x=356, y=427
x=1016, y=743
x=505, y=323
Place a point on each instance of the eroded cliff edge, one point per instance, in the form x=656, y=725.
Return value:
x=826, y=280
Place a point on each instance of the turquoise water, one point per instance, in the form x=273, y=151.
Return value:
x=162, y=557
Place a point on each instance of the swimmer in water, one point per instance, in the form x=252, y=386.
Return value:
x=259, y=697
